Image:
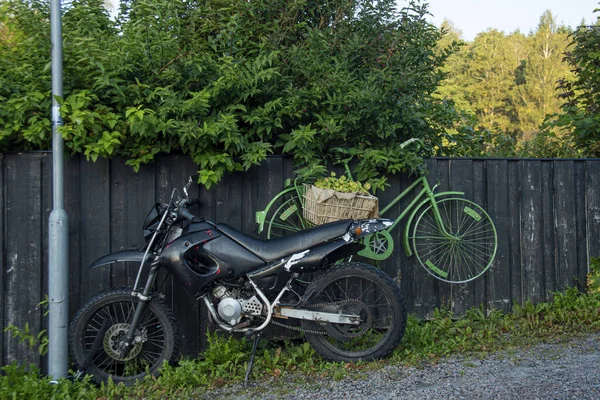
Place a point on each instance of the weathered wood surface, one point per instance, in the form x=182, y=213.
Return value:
x=547, y=214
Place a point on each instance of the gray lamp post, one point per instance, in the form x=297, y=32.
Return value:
x=58, y=247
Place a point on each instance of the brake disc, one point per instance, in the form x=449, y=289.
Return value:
x=112, y=343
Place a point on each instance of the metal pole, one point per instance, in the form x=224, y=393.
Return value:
x=58, y=248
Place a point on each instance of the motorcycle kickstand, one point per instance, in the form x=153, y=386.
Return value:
x=251, y=363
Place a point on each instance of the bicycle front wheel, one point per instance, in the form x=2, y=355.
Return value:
x=460, y=251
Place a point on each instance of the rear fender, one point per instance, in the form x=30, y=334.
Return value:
x=119, y=256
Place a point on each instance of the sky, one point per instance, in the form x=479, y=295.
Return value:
x=475, y=16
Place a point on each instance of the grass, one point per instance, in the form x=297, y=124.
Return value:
x=571, y=313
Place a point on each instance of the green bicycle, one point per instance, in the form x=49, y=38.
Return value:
x=453, y=238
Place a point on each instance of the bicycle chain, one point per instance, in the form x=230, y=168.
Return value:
x=315, y=332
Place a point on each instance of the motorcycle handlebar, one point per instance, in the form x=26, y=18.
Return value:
x=184, y=213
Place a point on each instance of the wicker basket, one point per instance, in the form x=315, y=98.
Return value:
x=325, y=205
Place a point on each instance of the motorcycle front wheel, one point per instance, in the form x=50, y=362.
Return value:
x=102, y=323
x=356, y=289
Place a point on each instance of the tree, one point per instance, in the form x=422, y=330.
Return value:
x=504, y=87
x=580, y=114
x=536, y=94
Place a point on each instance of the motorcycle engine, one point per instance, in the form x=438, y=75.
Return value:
x=233, y=306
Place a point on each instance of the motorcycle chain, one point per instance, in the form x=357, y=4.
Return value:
x=315, y=332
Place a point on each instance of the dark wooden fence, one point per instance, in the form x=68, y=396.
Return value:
x=547, y=213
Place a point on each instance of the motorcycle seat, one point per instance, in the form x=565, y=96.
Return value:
x=272, y=249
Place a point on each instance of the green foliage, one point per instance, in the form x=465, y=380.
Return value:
x=343, y=184
x=479, y=331
x=580, y=116
x=504, y=88
x=593, y=277
x=227, y=81
x=570, y=312
x=32, y=340
x=18, y=383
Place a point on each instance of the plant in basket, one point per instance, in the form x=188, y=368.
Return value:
x=331, y=199
x=343, y=184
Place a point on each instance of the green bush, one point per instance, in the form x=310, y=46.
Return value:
x=227, y=81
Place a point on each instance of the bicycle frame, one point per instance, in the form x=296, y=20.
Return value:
x=426, y=192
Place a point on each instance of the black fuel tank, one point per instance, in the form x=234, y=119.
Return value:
x=225, y=249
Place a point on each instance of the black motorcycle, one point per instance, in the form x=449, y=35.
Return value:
x=350, y=312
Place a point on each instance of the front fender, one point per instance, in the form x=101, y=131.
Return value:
x=119, y=256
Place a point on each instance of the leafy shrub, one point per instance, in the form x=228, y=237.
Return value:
x=227, y=81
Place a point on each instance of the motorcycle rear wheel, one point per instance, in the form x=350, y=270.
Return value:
x=359, y=289
x=104, y=320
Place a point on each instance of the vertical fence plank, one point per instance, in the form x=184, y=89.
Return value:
x=249, y=194
x=585, y=247
x=531, y=225
x=592, y=216
x=401, y=267
x=72, y=179
x=229, y=201
x=498, y=277
x=46, y=197
x=119, y=228
x=270, y=183
x=479, y=196
x=391, y=265
x=132, y=196
x=440, y=176
x=94, y=192
x=514, y=209
x=461, y=179
x=428, y=293
x=565, y=206
x=547, y=231
x=24, y=249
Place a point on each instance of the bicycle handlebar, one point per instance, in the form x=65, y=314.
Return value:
x=419, y=142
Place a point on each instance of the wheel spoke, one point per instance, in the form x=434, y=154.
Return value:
x=361, y=296
x=467, y=252
x=118, y=312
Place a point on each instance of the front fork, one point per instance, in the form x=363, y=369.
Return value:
x=143, y=300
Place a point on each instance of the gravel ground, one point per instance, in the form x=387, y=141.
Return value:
x=566, y=370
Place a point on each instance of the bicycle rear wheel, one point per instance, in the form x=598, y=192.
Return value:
x=286, y=218
x=467, y=248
